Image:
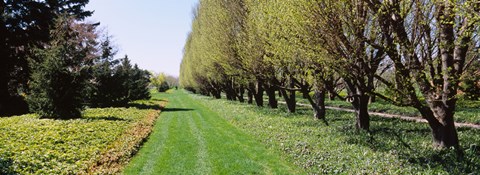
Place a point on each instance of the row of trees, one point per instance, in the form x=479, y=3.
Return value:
x=54, y=64
x=408, y=52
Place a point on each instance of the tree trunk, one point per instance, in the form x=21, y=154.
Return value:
x=360, y=104
x=318, y=105
x=229, y=97
x=259, y=94
x=231, y=94
x=217, y=94
x=250, y=96
x=241, y=91
x=272, y=100
x=372, y=99
x=331, y=96
x=441, y=121
x=320, y=101
x=289, y=99
x=445, y=135
x=306, y=95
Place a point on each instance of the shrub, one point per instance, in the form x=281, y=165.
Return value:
x=163, y=87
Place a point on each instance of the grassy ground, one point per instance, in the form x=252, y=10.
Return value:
x=100, y=142
x=467, y=111
x=393, y=146
x=189, y=138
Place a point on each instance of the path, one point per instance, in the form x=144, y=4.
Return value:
x=188, y=138
x=385, y=115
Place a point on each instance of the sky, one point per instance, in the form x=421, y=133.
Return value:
x=151, y=32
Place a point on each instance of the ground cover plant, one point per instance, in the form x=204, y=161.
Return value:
x=192, y=139
x=392, y=147
x=100, y=142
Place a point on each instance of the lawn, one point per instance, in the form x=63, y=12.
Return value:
x=192, y=139
x=392, y=147
x=100, y=142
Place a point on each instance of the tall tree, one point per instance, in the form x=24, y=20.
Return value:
x=429, y=43
x=59, y=79
x=343, y=27
x=25, y=25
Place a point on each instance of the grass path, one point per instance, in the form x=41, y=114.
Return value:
x=188, y=138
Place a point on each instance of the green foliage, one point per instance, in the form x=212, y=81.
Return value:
x=116, y=84
x=470, y=84
x=163, y=82
x=103, y=91
x=31, y=145
x=327, y=44
x=58, y=80
x=137, y=83
x=392, y=147
x=163, y=87
x=25, y=25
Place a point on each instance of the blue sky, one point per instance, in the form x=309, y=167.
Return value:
x=151, y=32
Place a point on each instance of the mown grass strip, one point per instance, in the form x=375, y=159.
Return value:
x=192, y=139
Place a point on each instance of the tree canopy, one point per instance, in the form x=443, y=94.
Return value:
x=407, y=52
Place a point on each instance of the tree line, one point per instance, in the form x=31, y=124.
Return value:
x=54, y=63
x=418, y=53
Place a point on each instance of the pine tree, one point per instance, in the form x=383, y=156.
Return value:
x=58, y=82
x=102, y=89
x=24, y=25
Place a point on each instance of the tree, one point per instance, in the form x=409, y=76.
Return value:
x=429, y=43
x=103, y=86
x=163, y=82
x=133, y=82
x=342, y=27
x=25, y=25
x=58, y=81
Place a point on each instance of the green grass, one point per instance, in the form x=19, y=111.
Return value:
x=393, y=146
x=29, y=145
x=189, y=138
x=467, y=111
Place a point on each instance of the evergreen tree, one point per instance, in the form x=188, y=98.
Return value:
x=25, y=25
x=134, y=82
x=139, y=80
x=102, y=89
x=58, y=80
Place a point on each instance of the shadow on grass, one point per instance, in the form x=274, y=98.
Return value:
x=405, y=140
x=176, y=109
x=158, y=100
x=145, y=106
x=6, y=166
x=108, y=118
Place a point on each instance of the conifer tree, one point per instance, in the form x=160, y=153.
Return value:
x=58, y=80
